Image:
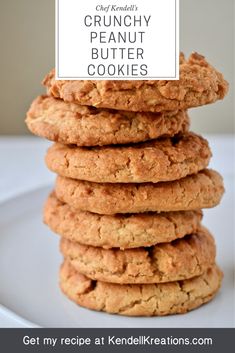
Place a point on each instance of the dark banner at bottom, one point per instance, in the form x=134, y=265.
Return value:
x=116, y=340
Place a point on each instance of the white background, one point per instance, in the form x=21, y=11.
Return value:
x=73, y=38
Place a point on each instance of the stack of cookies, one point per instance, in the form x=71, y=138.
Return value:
x=132, y=181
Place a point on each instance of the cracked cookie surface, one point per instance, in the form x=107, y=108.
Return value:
x=199, y=84
x=140, y=300
x=118, y=231
x=181, y=259
x=70, y=123
x=197, y=191
x=154, y=161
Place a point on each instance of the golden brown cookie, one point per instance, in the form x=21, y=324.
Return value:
x=181, y=259
x=202, y=190
x=140, y=299
x=70, y=123
x=199, y=84
x=118, y=231
x=154, y=161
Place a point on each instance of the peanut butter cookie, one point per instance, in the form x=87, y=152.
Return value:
x=140, y=299
x=201, y=190
x=154, y=161
x=199, y=84
x=118, y=231
x=181, y=259
x=70, y=123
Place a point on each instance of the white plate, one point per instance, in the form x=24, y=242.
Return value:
x=30, y=259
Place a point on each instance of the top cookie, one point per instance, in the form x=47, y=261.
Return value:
x=199, y=84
